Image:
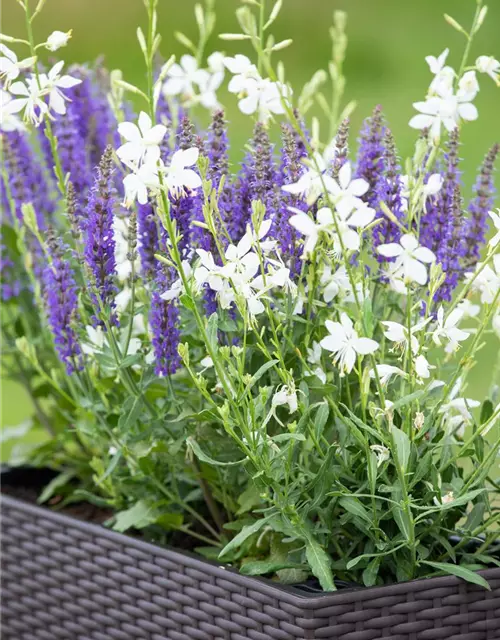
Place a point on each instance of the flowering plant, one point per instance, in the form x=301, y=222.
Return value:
x=273, y=361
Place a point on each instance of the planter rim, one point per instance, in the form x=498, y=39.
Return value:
x=290, y=594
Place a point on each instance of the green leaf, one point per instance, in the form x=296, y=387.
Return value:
x=355, y=507
x=140, y=515
x=201, y=455
x=131, y=413
x=320, y=564
x=320, y=419
x=187, y=301
x=212, y=328
x=402, y=520
x=284, y=437
x=245, y=533
x=402, y=402
x=460, y=572
x=403, y=447
x=475, y=517
x=261, y=567
x=486, y=411
x=371, y=572
x=372, y=471
x=57, y=483
x=257, y=376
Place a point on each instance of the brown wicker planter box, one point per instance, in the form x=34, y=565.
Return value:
x=65, y=578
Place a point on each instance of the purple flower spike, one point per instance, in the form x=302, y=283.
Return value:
x=147, y=235
x=293, y=151
x=100, y=242
x=371, y=155
x=62, y=304
x=341, y=147
x=11, y=284
x=480, y=206
x=388, y=189
x=164, y=320
x=27, y=181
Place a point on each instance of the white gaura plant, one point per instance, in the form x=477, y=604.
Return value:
x=317, y=421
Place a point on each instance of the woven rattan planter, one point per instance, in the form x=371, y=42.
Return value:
x=65, y=578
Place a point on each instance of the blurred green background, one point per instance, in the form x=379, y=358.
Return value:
x=388, y=41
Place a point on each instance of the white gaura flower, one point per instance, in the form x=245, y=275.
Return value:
x=314, y=358
x=359, y=218
x=285, y=396
x=215, y=62
x=381, y=452
x=487, y=283
x=96, y=339
x=346, y=192
x=433, y=185
x=436, y=65
x=334, y=284
x=310, y=229
x=57, y=39
x=447, y=108
x=142, y=140
x=8, y=121
x=138, y=183
x=385, y=373
x=422, y=367
x=395, y=278
x=310, y=184
x=456, y=412
x=10, y=66
x=264, y=98
x=242, y=69
x=343, y=341
x=411, y=258
x=179, y=178
x=468, y=309
x=31, y=100
x=447, y=329
x=495, y=217
x=53, y=82
x=398, y=333
x=490, y=66
x=208, y=84
x=182, y=76
x=177, y=287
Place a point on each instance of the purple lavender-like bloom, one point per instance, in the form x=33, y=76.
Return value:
x=292, y=153
x=100, y=242
x=73, y=153
x=442, y=225
x=388, y=189
x=218, y=168
x=27, y=181
x=188, y=207
x=164, y=321
x=11, y=284
x=480, y=206
x=371, y=155
x=258, y=179
x=147, y=235
x=62, y=304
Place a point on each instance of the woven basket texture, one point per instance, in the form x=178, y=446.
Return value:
x=66, y=579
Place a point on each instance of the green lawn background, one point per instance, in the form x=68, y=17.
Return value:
x=388, y=41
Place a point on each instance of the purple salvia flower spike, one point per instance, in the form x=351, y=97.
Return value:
x=292, y=153
x=147, y=236
x=389, y=190
x=479, y=207
x=370, y=162
x=164, y=320
x=100, y=243
x=62, y=304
